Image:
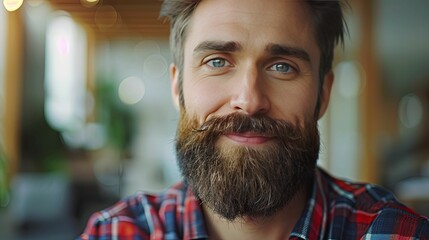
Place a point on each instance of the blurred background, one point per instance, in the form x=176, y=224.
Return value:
x=86, y=116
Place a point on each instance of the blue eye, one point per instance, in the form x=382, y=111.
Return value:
x=218, y=63
x=281, y=67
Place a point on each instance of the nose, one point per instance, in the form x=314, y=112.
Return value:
x=250, y=96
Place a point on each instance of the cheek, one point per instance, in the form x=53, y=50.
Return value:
x=295, y=103
x=308, y=102
x=202, y=98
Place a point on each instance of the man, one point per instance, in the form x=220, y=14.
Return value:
x=251, y=78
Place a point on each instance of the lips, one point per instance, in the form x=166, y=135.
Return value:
x=249, y=138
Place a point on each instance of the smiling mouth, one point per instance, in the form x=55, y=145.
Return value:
x=249, y=138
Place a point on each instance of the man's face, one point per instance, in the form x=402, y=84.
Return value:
x=248, y=62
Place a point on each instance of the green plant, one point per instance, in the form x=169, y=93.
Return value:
x=4, y=188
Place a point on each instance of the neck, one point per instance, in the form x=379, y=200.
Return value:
x=278, y=226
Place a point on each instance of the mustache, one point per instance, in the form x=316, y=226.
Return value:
x=241, y=123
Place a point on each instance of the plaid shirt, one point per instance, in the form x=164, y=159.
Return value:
x=336, y=210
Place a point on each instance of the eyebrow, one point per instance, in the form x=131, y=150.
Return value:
x=277, y=49
x=220, y=46
x=231, y=46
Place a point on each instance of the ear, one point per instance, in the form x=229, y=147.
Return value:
x=174, y=77
x=326, y=93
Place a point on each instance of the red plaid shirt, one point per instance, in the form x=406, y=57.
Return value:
x=337, y=209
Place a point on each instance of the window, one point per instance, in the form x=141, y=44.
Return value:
x=65, y=83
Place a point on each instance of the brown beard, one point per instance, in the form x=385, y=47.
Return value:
x=236, y=181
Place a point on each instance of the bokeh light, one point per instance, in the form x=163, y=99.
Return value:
x=106, y=17
x=155, y=66
x=410, y=111
x=12, y=5
x=131, y=90
x=35, y=3
x=89, y=3
x=146, y=48
x=348, y=75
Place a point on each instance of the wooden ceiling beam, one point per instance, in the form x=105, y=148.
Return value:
x=136, y=17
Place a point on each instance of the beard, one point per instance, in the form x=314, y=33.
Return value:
x=236, y=181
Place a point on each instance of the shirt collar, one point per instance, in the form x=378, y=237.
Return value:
x=312, y=223
x=194, y=227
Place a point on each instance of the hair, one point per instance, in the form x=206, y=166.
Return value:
x=327, y=17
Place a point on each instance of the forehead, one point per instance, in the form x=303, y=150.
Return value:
x=253, y=23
